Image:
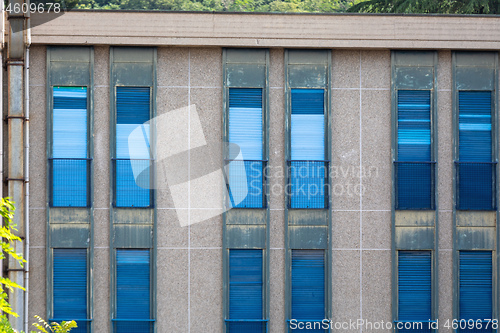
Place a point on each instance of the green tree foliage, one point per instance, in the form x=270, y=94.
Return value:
x=44, y=327
x=7, y=240
x=321, y=6
x=428, y=6
x=310, y=6
x=5, y=326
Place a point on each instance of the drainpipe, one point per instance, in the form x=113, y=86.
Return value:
x=27, y=173
x=2, y=113
x=15, y=148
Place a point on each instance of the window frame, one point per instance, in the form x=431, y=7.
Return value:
x=433, y=149
x=152, y=296
x=114, y=159
x=494, y=145
x=432, y=285
x=89, y=296
x=89, y=148
x=265, y=139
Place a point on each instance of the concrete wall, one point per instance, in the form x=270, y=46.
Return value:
x=189, y=265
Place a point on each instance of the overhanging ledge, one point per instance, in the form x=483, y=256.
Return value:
x=270, y=30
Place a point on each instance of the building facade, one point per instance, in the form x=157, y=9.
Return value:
x=212, y=172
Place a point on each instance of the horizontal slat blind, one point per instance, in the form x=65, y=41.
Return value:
x=69, y=132
x=133, y=107
x=308, y=285
x=245, y=292
x=414, y=285
x=475, y=282
x=245, y=123
x=308, y=124
x=69, y=167
x=474, y=126
x=132, y=111
x=414, y=125
x=476, y=174
x=414, y=172
x=70, y=284
x=245, y=284
x=245, y=133
x=133, y=284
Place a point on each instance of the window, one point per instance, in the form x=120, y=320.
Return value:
x=245, y=292
x=475, y=169
x=246, y=166
x=69, y=287
x=308, y=286
x=414, y=169
x=133, y=158
x=414, y=290
x=69, y=163
x=308, y=170
x=475, y=284
x=133, y=292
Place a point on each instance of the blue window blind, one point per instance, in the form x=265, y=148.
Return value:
x=69, y=286
x=476, y=173
x=133, y=156
x=308, y=124
x=69, y=164
x=245, y=292
x=414, y=170
x=414, y=125
x=308, y=170
x=414, y=288
x=246, y=177
x=474, y=126
x=308, y=286
x=133, y=291
x=475, y=283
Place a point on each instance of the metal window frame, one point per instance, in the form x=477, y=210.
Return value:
x=50, y=292
x=328, y=146
x=50, y=132
x=413, y=55
x=90, y=147
x=495, y=156
x=112, y=154
x=152, y=286
x=265, y=150
x=265, y=289
x=152, y=149
x=456, y=272
x=433, y=145
x=433, y=286
x=327, y=292
x=288, y=124
x=456, y=143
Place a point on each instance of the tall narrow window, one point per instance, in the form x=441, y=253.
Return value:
x=69, y=162
x=245, y=292
x=308, y=169
x=475, y=285
x=70, y=300
x=246, y=167
x=414, y=290
x=133, y=156
x=308, y=287
x=475, y=169
x=133, y=291
x=414, y=166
